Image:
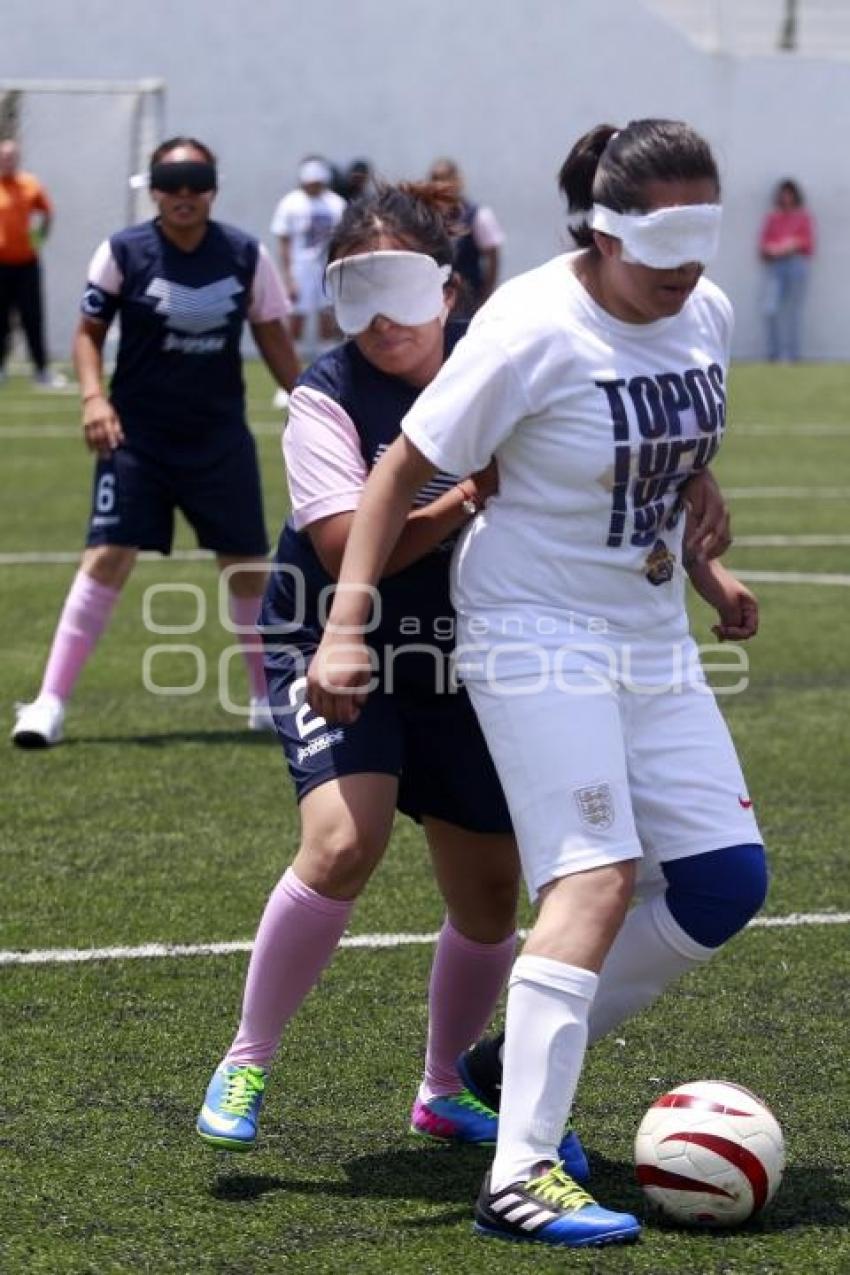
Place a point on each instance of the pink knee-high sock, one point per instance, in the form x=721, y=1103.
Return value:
x=245, y=612
x=298, y=934
x=466, y=981
x=85, y=615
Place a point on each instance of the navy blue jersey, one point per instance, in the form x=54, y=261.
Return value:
x=178, y=378
x=416, y=610
x=467, y=258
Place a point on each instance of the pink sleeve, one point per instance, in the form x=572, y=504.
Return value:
x=268, y=298
x=768, y=231
x=103, y=270
x=807, y=233
x=486, y=231
x=324, y=464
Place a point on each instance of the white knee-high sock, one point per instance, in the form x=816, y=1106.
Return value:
x=650, y=951
x=545, y=1041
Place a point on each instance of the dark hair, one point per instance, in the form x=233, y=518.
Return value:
x=793, y=189
x=419, y=214
x=613, y=166
x=173, y=142
x=444, y=164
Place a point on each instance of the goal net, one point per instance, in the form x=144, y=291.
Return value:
x=84, y=140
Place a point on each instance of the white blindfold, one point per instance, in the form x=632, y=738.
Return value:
x=406, y=287
x=666, y=238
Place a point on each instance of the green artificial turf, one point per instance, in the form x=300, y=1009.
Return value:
x=162, y=820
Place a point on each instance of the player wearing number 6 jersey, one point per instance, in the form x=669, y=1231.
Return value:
x=172, y=432
x=598, y=383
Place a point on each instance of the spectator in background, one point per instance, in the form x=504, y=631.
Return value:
x=358, y=180
x=303, y=222
x=25, y=216
x=786, y=245
x=477, y=247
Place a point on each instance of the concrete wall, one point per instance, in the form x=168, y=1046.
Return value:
x=505, y=86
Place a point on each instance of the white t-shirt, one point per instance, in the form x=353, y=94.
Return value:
x=486, y=230
x=594, y=424
x=308, y=222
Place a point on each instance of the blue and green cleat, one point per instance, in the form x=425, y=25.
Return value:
x=463, y=1118
x=231, y=1111
x=458, y=1117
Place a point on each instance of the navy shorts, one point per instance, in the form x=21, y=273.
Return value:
x=134, y=498
x=432, y=742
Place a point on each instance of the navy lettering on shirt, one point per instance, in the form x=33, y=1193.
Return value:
x=658, y=410
x=319, y=229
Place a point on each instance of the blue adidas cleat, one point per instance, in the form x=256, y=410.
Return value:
x=231, y=1110
x=550, y=1208
x=480, y=1069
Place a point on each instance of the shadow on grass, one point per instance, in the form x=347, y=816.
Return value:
x=442, y=1175
x=810, y=1196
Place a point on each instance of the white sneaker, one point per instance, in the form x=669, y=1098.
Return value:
x=47, y=380
x=260, y=716
x=39, y=725
x=281, y=398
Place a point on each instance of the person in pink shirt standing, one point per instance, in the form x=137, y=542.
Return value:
x=786, y=244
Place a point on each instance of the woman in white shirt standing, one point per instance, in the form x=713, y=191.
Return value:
x=598, y=381
x=303, y=223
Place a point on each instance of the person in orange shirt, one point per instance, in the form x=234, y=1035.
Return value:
x=25, y=216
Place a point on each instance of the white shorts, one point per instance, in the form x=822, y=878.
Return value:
x=309, y=278
x=595, y=779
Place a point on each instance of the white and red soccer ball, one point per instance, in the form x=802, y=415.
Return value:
x=709, y=1154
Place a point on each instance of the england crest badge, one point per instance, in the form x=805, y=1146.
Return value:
x=596, y=806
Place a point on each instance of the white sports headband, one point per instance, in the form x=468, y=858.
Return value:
x=406, y=287
x=666, y=238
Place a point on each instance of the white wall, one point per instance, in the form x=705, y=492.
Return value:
x=503, y=85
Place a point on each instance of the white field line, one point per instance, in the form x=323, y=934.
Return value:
x=38, y=557
x=371, y=942
x=41, y=431
x=790, y=542
x=272, y=427
x=814, y=430
x=48, y=558
x=46, y=407
x=23, y=432
x=786, y=493
x=794, y=577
